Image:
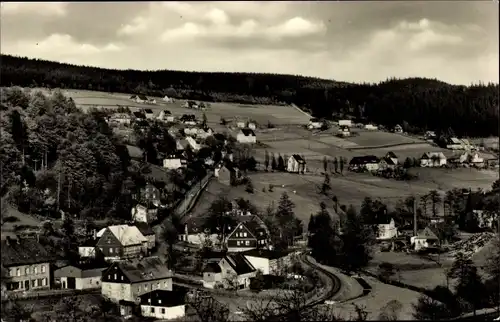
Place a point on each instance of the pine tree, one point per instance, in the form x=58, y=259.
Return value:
x=325, y=187
x=266, y=160
x=336, y=164
x=325, y=164
x=274, y=165
x=281, y=163
x=286, y=218
x=341, y=163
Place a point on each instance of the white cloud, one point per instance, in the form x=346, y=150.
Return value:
x=217, y=17
x=40, y=8
x=57, y=46
x=295, y=27
x=138, y=25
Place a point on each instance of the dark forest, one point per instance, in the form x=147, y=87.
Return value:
x=418, y=104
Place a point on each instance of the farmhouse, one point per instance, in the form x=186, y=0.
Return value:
x=314, y=123
x=455, y=144
x=247, y=235
x=167, y=99
x=144, y=213
x=424, y=239
x=433, y=159
x=164, y=305
x=386, y=227
x=166, y=116
x=236, y=271
x=370, y=127
x=398, y=129
x=195, y=146
x=139, y=115
x=391, y=155
x=367, y=162
x=27, y=264
x=246, y=135
x=194, y=233
x=344, y=131
x=188, y=119
x=139, y=98
x=347, y=123
x=296, y=164
x=80, y=276
x=121, y=241
x=120, y=118
x=387, y=163
x=227, y=173
x=87, y=249
x=174, y=162
x=151, y=101
x=270, y=262
x=148, y=113
x=251, y=125
x=129, y=279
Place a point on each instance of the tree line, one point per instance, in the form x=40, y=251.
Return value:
x=418, y=104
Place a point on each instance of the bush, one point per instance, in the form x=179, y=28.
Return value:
x=10, y=219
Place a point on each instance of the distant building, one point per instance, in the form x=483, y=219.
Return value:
x=398, y=129
x=247, y=235
x=121, y=242
x=424, y=239
x=195, y=146
x=392, y=156
x=166, y=116
x=174, y=162
x=234, y=268
x=147, y=232
x=251, y=125
x=227, y=174
x=347, y=123
x=246, y=135
x=455, y=144
x=314, y=123
x=194, y=232
x=188, y=119
x=80, y=276
x=368, y=163
x=163, y=304
x=167, y=99
x=296, y=164
x=371, y=127
x=344, y=131
x=240, y=124
x=270, y=262
x=144, y=213
x=433, y=159
x=120, y=118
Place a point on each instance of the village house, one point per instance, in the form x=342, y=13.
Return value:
x=392, y=156
x=194, y=233
x=344, y=131
x=151, y=101
x=454, y=144
x=387, y=163
x=424, y=239
x=386, y=227
x=314, y=123
x=430, y=135
x=128, y=279
x=190, y=131
x=246, y=135
x=167, y=99
x=251, y=125
x=87, y=248
x=164, y=305
x=227, y=173
x=398, y=129
x=269, y=262
x=371, y=127
x=141, y=99
x=144, y=213
x=433, y=159
x=248, y=234
x=240, y=124
x=148, y=113
x=147, y=232
x=139, y=116
x=195, y=146
x=121, y=242
x=235, y=272
x=296, y=164
x=188, y=119
x=347, y=123
x=204, y=133
x=367, y=162
x=150, y=195
x=472, y=158
x=174, y=162
x=27, y=264
x=120, y=118
x=166, y=116
x=80, y=276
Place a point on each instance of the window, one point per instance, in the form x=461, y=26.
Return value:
x=122, y=277
x=149, y=301
x=247, y=242
x=44, y=282
x=35, y=270
x=145, y=287
x=237, y=234
x=108, y=240
x=39, y=282
x=166, y=283
x=109, y=276
x=27, y=271
x=152, y=310
x=245, y=234
x=11, y=272
x=33, y=283
x=158, y=285
x=111, y=250
x=237, y=243
x=115, y=277
x=43, y=268
x=18, y=272
x=162, y=311
x=159, y=301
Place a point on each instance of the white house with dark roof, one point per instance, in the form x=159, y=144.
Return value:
x=144, y=213
x=433, y=159
x=246, y=135
x=164, y=305
x=81, y=276
x=129, y=279
x=121, y=241
x=166, y=116
x=455, y=144
x=195, y=146
x=314, y=123
x=296, y=164
x=235, y=269
x=270, y=262
x=392, y=156
x=174, y=162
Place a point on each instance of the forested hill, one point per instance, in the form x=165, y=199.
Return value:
x=416, y=103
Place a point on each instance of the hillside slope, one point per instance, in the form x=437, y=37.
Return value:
x=415, y=103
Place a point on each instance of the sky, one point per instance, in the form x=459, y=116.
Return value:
x=370, y=41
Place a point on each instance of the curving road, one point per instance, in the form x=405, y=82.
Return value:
x=335, y=282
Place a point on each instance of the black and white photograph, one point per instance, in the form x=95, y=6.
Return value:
x=218, y=161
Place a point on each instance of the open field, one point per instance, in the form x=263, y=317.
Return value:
x=379, y=138
x=21, y=219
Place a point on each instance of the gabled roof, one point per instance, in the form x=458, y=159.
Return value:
x=25, y=251
x=298, y=158
x=127, y=235
x=427, y=233
x=239, y=263
x=139, y=115
x=391, y=154
x=455, y=141
x=430, y=155
x=167, y=112
x=148, y=111
x=389, y=161
x=248, y=132
x=266, y=253
x=142, y=97
x=364, y=159
x=144, y=228
x=146, y=269
x=212, y=268
x=163, y=298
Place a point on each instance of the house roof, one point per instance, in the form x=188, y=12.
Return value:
x=127, y=235
x=344, y=128
x=389, y=161
x=146, y=269
x=391, y=154
x=427, y=233
x=167, y=112
x=163, y=298
x=89, y=242
x=430, y=155
x=239, y=263
x=148, y=111
x=25, y=251
x=455, y=141
x=298, y=158
x=266, y=253
x=248, y=132
x=144, y=228
x=139, y=115
x=212, y=268
x=142, y=97
x=313, y=120
x=364, y=159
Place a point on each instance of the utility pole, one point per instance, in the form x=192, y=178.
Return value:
x=415, y=227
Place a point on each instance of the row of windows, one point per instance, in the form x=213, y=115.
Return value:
x=26, y=285
x=162, y=310
x=145, y=286
x=27, y=271
x=240, y=243
x=238, y=234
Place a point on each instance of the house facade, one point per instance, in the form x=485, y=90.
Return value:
x=386, y=229
x=79, y=277
x=296, y=164
x=226, y=174
x=347, y=123
x=368, y=163
x=433, y=159
x=174, y=162
x=129, y=279
x=146, y=214
x=27, y=264
x=246, y=135
x=121, y=242
x=247, y=235
x=212, y=275
x=455, y=144
x=387, y=163
x=194, y=233
x=236, y=271
x=314, y=123
x=164, y=305
x=424, y=239
x=269, y=262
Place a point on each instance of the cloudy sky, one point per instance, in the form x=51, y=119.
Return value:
x=351, y=41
